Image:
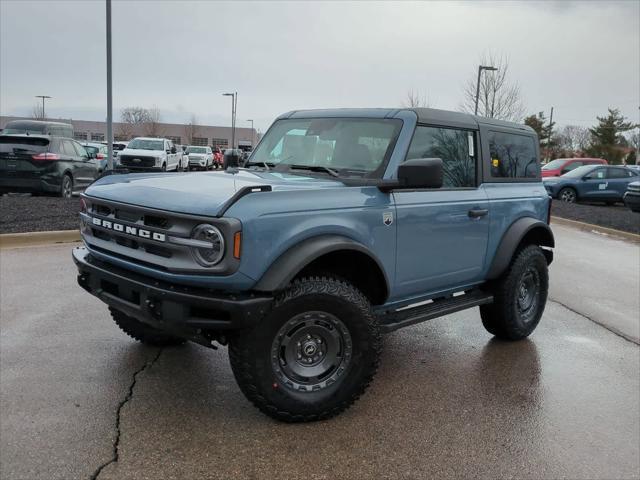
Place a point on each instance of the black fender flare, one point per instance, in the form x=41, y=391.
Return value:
x=292, y=261
x=512, y=238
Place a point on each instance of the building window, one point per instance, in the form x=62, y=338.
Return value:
x=79, y=135
x=200, y=141
x=97, y=136
x=220, y=142
x=176, y=140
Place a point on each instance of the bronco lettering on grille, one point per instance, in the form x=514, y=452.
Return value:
x=138, y=232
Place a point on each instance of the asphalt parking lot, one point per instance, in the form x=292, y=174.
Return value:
x=448, y=401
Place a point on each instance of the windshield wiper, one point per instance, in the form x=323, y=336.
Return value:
x=266, y=165
x=315, y=168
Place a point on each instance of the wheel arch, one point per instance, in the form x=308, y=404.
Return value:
x=329, y=254
x=524, y=231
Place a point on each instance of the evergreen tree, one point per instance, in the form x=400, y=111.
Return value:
x=607, y=134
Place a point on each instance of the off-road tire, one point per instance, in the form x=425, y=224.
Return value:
x=252, y=359
x=504, y=317
x=142, y=332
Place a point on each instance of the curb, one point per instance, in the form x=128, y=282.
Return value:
x=588, y=227
x=32, y=239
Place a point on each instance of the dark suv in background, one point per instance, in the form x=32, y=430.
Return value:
x=44, y=164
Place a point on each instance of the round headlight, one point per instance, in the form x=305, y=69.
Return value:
x=210, y=255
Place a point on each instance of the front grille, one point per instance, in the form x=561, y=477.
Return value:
x=139, y=161
x=150, y=237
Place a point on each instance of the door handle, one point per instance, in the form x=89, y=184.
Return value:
x=478, y=212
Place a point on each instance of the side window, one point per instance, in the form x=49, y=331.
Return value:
x=596, y=174
x=616, y=173
x=67, y=148
x=80, y=150
x=571, y=166
x=513, y=156
x=455, y=147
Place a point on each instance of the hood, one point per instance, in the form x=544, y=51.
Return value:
x=194, y=193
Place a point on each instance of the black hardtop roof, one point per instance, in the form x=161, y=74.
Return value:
x=425, y=115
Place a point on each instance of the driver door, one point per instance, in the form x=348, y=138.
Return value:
x=442, y=233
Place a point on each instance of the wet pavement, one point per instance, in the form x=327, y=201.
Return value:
x=448, y=401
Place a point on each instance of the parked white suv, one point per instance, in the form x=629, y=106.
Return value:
x=200, y=157
x=145, y=153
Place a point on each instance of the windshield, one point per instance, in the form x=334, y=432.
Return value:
x=143, y=144
x=554, y=164
x=579, y=172
x=196, y=150
x=360, y=146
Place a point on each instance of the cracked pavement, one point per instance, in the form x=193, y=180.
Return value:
x=79, y=399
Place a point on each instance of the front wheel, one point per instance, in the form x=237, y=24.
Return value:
x=568, y=195
x=519, y=297
x=313, y=355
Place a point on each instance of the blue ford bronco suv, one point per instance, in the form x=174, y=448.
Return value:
x=343, y=225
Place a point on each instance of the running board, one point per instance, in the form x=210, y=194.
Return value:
x=436, y=308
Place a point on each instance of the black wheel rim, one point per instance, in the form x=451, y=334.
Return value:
x=528, y=293
x=568, y=196
x=67, y=188
x=311, y=351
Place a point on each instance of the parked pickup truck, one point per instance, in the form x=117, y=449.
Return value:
x=344, y=225
x=149, y=154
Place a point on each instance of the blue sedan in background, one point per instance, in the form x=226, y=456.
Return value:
x=597, y=183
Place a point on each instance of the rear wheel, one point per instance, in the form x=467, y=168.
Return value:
x=142, y=332
x=313, y=355
x=66, y=186
x=568, y=195
x=519, y=296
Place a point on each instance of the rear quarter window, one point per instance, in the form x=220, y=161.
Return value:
x=512, y=156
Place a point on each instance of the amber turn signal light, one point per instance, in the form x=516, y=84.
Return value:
x=237, y=241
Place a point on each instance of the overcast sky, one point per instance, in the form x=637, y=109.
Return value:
x=580, y=57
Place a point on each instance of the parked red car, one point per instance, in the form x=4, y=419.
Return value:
x=560, y=166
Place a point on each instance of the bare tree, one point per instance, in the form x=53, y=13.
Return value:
x=37, y=113
x=152, y=125
x=574, y=138
x=131, y=117
x=499, y=97
x=191, y=129
x=415, y=100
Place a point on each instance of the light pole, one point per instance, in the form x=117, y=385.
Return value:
x=43, y=97
x=234, y=106
x=252, y=135
x=109, y=92
x=480, y=69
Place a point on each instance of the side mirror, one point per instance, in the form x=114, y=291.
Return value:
x=420, y=173
x=173, y=150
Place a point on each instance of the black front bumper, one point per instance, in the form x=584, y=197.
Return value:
x=186, y=311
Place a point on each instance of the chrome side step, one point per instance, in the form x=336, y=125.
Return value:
x=394, y=320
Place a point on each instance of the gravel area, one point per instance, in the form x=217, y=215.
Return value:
x=616, y=216
x=37, y=214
